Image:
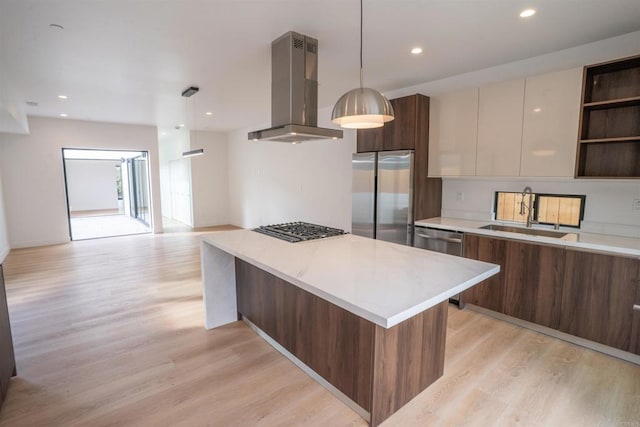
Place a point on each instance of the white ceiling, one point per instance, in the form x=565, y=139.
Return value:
x=128, y=60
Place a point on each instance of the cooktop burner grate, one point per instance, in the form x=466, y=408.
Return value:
x=298, y=231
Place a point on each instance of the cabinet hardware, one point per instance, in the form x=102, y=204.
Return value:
x=444, y=239
x=636, y=307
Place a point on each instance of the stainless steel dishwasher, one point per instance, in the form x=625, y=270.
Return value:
x=443, y=241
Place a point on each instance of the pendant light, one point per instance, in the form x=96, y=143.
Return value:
x=363, y=107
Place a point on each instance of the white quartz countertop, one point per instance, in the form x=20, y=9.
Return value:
x=382, y=282
x=588, y=241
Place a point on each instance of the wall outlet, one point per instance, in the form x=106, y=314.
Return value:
x=636, y=206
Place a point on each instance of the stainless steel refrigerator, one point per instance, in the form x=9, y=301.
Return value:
x=383, y=196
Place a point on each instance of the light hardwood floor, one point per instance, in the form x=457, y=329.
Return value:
x=110, y=332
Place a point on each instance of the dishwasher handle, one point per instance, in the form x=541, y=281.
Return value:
x=444, y=239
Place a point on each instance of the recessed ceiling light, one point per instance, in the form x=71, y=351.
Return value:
x=334, y=137
x=416, y=50
x=163, y=134
x=63, y=97
x=527, y=13
x=209, y=113
x=63, y=114
x=537, y=110
x=181, y=125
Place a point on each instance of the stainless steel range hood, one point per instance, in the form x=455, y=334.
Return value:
x=294, y=92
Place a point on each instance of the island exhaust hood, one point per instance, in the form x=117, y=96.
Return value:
x=294, y=92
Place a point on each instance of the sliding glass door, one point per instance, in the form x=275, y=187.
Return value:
x=137, y=169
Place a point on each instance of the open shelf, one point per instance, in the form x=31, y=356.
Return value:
x=619, y=139
x=622, y=102
x=609, y=141
x=612, y=80
x=609, y=159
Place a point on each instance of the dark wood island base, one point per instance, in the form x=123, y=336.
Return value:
x=379, y=369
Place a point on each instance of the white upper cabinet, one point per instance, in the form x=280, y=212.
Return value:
x=551, y=114
x=513, y=128
x=453, y=133
x=500, y=129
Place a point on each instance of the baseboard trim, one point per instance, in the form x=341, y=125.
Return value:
x=20, y=245
x=307, y=370
x=601, y=348
x=4, y=254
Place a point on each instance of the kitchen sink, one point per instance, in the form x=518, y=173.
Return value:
x=521, y=230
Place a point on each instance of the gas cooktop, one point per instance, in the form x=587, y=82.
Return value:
x=298, y=231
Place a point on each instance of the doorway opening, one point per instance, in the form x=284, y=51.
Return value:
x=107, y=192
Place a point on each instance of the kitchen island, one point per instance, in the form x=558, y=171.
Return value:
x=365, y=318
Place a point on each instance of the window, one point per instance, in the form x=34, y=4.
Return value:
x=562, y=209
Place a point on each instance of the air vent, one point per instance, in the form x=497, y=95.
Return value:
x=298, y=43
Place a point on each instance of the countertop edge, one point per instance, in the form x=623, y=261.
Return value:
x=419, y=308
x=562, y=242
x=361, y=312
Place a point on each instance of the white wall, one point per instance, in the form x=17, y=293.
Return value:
x=273, y=182
x=91, y=184
x=13, y=116
x=175, y=177
x=195, y=190
x=33, y=178
x=608, y=207
x=209, y=179
x=4, y=236
x=181, y=200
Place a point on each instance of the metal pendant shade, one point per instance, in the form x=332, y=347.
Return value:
x=363, y=107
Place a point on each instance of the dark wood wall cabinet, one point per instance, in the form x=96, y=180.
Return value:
x=409, y=130
x=586, y=294
x=379, y=369
x=609, y=141
x=7, y=357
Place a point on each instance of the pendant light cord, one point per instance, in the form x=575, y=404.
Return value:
x=361, y=85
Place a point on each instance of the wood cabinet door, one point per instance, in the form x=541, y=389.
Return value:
x=490, y=293
x=400, y=133
x=598, y=296
x=7, y=360
x=409, y=128
x=369, y=140
x=634, y=346
x=533, y=276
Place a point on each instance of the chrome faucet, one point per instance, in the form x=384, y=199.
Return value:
x=527, y=190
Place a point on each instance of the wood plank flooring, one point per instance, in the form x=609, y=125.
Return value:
x=110, y=332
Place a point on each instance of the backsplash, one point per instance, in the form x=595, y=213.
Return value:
x=608, y=207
